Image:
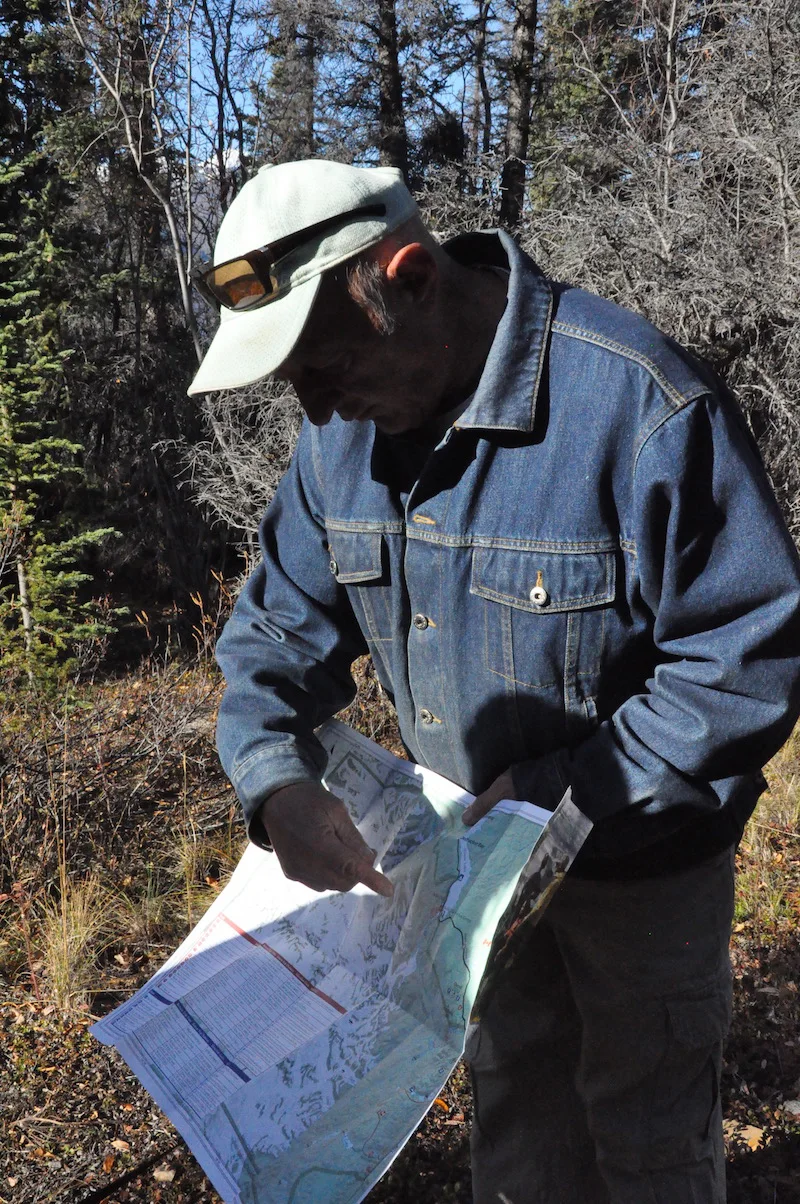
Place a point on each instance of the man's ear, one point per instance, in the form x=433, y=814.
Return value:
x=413, y=270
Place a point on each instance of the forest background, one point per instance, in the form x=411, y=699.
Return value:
x=649, y=151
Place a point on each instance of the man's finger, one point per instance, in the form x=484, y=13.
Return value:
x=349, y=835
x=376, y=881
x=329, y=879
x=481, y=806
x=476, y=811
x=501, y=788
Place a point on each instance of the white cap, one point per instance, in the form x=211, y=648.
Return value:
x=280, y=200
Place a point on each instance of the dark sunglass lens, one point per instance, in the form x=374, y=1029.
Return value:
x=236, y=285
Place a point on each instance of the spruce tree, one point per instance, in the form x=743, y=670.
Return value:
x=42, y=613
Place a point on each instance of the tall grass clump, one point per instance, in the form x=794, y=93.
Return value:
x=73, y=932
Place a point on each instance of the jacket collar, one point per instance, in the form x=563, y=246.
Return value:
x=505, y=398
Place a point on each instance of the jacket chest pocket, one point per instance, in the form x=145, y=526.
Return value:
x=544, y=615
x=359, y=561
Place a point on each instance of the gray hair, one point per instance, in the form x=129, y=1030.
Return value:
x=366, y=284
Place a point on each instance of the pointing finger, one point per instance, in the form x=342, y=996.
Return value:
x=376, y=881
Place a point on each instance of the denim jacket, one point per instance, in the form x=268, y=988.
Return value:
x=589, y=581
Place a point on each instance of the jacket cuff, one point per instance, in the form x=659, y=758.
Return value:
x=264, y=773
x=542, y=781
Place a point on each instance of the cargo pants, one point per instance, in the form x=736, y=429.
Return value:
x=596, y=1064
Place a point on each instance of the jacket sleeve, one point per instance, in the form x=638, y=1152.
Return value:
x=286, y=650
x=718, y=573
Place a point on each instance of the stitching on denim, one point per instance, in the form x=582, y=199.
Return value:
x=628, y=353
x=509, y=666
x=444, y=694
x=373, y=573
x=553, y=608
x=509, y=670
x=570, y=687
x=511, y=544
x=287, y=749
x=556, y=607
x=370, y=548
x=546, y=330
x=629, y=545
x=316, y=460
x=364, y=527
x=366, y=604
x=601, y=647
x=662, y=420
x=360, y=575
x=490, y=426
x=592, y=671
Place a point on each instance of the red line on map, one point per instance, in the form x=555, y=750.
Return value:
x=292, y=969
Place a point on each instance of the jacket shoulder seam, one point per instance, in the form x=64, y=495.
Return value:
x=590, y=336
x=661, y=420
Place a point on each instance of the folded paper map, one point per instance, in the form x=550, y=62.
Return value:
x=296, y=1039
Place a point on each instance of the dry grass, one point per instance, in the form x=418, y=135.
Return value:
x=203, y=865
x=117, y=831
x=73, y=932
x=765, y=892
x=100, y=797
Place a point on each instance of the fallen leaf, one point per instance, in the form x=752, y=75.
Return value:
x=108, y=1162
x=163, y=1174
x=751, y=1135
x=119, y=1144
x=12, y=1182
x=440, y=1103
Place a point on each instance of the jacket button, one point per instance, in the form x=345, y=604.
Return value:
x=420, y=622
x=426, y=716
x=334, y=567
x=539, y=596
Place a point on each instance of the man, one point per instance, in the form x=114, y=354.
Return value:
x=551, y=529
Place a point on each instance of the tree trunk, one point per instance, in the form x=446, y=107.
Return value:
x=392, y=138
x=25, y=611
x=294, y=81
x=481, y=134
x=520, y=87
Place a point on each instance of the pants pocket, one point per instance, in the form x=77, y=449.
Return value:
x=686, y=1120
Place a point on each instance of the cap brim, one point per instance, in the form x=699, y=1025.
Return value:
x=248, y=346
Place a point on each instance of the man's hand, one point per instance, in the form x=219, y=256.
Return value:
x=502, y=787
x=317, y=843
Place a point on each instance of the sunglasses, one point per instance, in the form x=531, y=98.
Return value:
x=250, y=280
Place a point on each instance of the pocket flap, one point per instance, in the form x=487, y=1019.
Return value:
x=356, y=555
x=543, y=582
x=702, y=1020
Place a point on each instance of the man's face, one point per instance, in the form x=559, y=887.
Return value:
x=342, y=365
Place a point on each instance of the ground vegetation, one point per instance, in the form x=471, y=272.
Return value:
x=118, y=830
